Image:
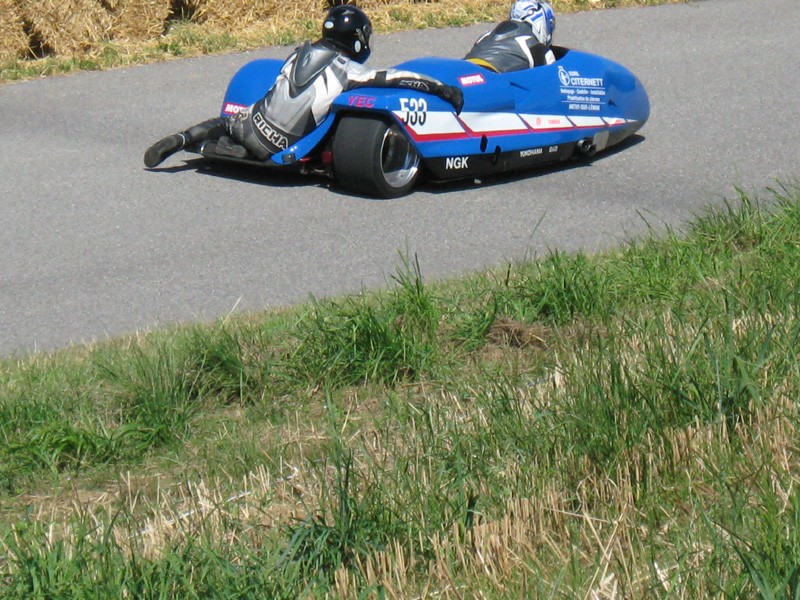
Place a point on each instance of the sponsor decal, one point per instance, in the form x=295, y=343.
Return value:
x=563, y=76
x=275, y=137
x=361, y=101
x=574, y=78
x=415, y=84
x=467, y=80
x=545, y=122
x=581, y=92
x=233, y=109
x=530, y=152
x=456, y=162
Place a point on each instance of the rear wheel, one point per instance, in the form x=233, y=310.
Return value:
x=374, y=158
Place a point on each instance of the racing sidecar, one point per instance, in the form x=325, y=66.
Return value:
x=378, y=141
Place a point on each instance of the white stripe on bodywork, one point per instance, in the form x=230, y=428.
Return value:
x=587, y=121
x=484, y=122
x=446, y=123
x=436, y=123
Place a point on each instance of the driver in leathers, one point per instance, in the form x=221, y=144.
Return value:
x=521, y=42
x=310, y=79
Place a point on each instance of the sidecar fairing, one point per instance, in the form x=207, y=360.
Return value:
x=377, y=141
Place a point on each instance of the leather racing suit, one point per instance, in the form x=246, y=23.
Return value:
x=510, y=46
x=310, y=79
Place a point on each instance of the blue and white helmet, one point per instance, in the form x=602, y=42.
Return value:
x=539, y=15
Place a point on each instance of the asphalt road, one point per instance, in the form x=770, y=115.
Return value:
x=93, y=245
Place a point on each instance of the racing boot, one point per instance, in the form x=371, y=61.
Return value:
x=212, y=128
x=156, y=153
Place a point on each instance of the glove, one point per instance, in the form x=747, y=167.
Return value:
x=453, y=95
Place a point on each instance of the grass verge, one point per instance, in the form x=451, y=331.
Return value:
x=617, y=425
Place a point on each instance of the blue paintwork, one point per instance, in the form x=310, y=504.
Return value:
x=540, y=91
x=251, y=82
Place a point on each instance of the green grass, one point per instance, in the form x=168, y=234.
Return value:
x=622, y=424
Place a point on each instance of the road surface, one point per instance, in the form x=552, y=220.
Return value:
x=93, y=245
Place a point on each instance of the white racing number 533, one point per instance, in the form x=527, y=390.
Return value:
x=415, y=110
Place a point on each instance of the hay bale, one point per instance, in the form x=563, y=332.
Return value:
x=14, y=42
x=67, y=27
x=137, y=20
x=232, y=15
x=367, y=4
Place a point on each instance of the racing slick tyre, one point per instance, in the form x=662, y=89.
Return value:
x=374, y=158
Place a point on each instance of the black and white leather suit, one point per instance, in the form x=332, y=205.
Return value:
x=510, y=46
x=310, y=79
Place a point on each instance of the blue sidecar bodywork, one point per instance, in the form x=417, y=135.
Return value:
x=377, y=141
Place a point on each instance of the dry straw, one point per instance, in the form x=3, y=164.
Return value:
x=230, y=15
x=137, y=20
x=67, y=27
x=76, y=27
x=233, y=15
x=13, y=39
x=70, y=28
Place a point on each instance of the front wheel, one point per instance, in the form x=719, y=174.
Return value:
x=374, y=158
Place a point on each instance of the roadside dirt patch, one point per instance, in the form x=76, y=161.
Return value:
x=508, y=332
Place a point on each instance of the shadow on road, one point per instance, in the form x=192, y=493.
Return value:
x=244, y=173
x=447, y=187
x=291, y=179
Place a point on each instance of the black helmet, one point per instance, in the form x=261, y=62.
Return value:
x=349, y=28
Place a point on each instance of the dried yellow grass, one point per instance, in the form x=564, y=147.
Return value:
x=231, y=15
x=74, y=28
x=138, y=20
x=13, y=39
x=67, y=27
x=593, y=520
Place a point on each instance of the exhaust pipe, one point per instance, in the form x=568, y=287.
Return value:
x=586, y=146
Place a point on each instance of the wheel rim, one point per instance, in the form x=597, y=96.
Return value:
x=399, y=159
